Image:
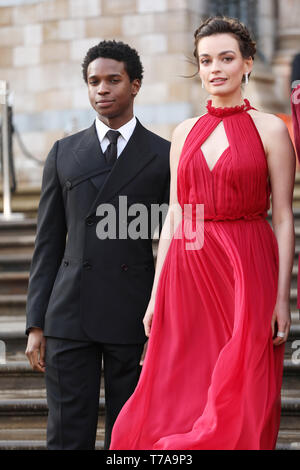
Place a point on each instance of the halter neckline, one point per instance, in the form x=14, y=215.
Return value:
x=227, y=111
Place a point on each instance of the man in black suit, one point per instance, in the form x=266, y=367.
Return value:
x=88, y=294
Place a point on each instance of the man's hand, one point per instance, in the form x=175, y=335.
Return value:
x=36, y=348
x=144, y=353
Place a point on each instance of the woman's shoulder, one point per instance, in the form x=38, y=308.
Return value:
x=268, y=122
x=183, y=129
x=179, y=136
x=271, y=128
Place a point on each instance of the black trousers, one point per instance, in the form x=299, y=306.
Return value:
x=73, y=378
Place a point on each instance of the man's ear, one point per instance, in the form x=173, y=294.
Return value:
x=135, y=86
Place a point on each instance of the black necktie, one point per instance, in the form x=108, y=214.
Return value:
x=111, y=152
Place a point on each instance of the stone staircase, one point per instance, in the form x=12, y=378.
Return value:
x=23, y=407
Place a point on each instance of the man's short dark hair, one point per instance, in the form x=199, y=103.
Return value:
x=116, y=50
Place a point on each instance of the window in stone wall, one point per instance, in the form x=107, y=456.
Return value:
x=244, y=10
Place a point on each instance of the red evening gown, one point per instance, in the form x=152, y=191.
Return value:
x=211, y=377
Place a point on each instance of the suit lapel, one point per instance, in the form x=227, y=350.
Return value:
x=89, y=155
x=136, y=155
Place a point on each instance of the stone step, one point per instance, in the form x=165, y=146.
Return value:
x=290, y=407
x=27, y=419
x=15, y=261
x=41, y=444
x=297, y=250
x=288, y=439
x=13, y=335
x=37, y=434
x=18, y=376
x=294, y=279
x=23, y=426
x=295, y=270
x=290, y=384
x=289, y=421
x=291, y=378
x=293, y=342
x=18, y=380
x=34, y=445
x=31, y=413
x=15, y=244
x=293, y=299
x=283, y=445
x=14, y=282
x=34, y=411
x=22, y=227
x=25, y=199
x=12, y=305
x=292, y=369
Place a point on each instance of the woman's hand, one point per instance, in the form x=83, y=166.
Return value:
x=147, y=320
x=281, y=322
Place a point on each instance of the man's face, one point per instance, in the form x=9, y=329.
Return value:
x=110, y=91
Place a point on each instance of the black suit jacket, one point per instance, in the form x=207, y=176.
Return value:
x=81, y=287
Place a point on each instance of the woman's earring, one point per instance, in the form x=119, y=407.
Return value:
x=246, y=78
x=202, y=84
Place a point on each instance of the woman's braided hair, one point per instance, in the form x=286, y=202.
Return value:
x=224, y=24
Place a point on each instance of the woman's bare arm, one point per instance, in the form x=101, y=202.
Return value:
x=173, y=217
x=281, y=164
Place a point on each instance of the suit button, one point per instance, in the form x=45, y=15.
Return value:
x=87, y=265
x=124, y=267
x=66, y=263
x=90, y=220
x=68, y=184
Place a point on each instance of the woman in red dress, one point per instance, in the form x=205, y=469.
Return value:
x=219, y=314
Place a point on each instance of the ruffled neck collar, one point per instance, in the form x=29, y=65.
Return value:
x=227, y=111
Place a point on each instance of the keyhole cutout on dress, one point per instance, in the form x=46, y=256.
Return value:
x=214, y=146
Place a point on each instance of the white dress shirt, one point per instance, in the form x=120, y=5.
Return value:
x=125, y=131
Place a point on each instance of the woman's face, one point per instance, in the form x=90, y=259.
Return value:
x=221, y=65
